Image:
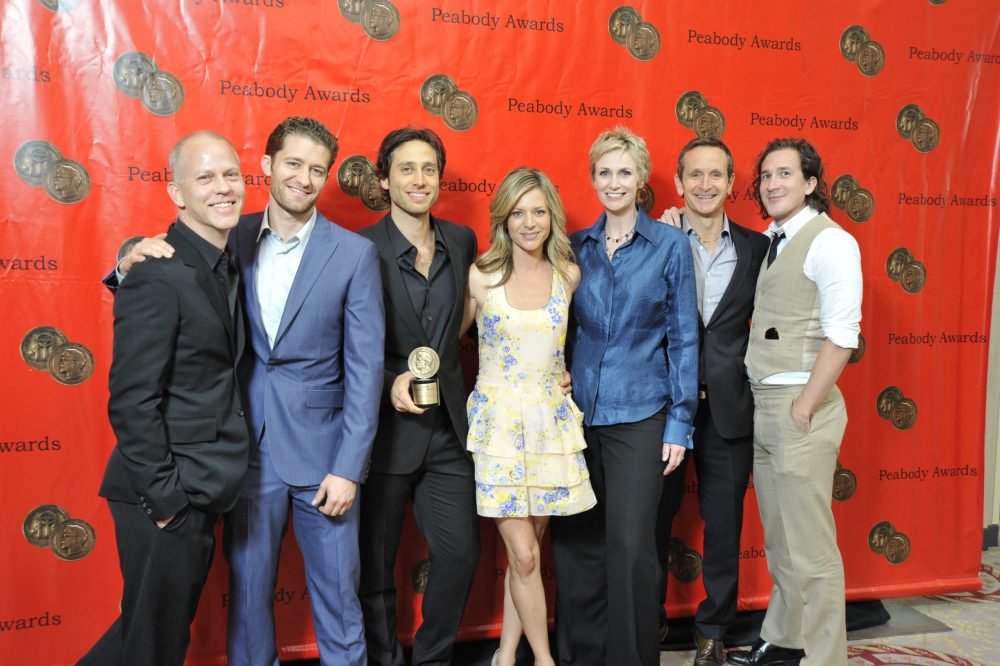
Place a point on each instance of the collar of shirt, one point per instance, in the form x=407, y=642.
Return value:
x=793, y=224
x=401, y=244
x=690, y=231
x=302, y=235
x=209, y=252
x=643, y=227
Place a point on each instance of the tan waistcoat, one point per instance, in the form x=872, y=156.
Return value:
x=785, y=334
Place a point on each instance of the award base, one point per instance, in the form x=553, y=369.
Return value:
x=425, y=392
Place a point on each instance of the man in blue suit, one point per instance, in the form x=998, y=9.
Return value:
x=313, y=299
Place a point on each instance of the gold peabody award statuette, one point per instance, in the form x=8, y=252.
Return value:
x=38, y=344
x=424, y=364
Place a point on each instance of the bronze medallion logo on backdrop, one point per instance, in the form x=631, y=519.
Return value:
x=695, y=113
x=845, y=483
x=38, y=344
x=46, y=348
x=858, y=353
x=357, y=179
x=641, y=39
x=857, y=46
x=378, y=18
x=848, y=195
x=42, y=522
x=60, y=5
x=71, y=364
x=917, y=128
x=73, y=540
x=883, y=539
x=441, y=96
x=137, y=76
x=896, y=408
x=646, y=198
x=682, y=561
x=419, y=576
x=40, y=164
x=49, y=526
x=903, y=268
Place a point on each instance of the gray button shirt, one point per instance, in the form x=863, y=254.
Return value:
x=712, y=271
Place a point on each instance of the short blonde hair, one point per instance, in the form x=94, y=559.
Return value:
x=622, y=138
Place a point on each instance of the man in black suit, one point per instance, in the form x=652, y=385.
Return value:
x=176, y=410
x=419, y=453
x=727, y=258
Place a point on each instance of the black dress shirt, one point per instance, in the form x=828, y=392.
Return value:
x=433, y=297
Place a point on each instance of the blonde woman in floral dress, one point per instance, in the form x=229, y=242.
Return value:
x=525, y=436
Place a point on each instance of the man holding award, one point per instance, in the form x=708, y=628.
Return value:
x=419, y=450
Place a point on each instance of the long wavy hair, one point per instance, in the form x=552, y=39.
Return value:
x=499, y=258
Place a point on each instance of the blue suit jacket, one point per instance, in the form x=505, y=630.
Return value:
x=317, y=391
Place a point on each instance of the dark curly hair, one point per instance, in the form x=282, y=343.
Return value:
x=307, y=127
x=812, y=167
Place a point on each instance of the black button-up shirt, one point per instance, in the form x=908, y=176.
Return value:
x=433, y=297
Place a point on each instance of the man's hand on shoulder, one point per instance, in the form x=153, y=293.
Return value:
x=153, y=246
x=672, y=216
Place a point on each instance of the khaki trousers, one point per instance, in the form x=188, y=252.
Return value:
x=793, y=476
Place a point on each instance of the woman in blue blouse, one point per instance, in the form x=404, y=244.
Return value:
x=634, y=363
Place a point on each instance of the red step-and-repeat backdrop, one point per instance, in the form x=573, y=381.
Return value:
x=900, y=98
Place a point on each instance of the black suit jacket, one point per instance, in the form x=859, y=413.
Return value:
x=175, y=403
x=402, y=439
x=724, y=338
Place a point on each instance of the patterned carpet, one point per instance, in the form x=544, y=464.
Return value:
x=941, y=630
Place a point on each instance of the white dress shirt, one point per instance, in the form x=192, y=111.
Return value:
x=833, y=262
x=277, y=263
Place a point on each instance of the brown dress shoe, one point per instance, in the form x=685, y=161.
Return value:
x=711, y=652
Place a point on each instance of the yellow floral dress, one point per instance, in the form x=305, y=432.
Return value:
x=525, y=436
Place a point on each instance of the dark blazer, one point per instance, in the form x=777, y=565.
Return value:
x=724, y=338
x=175, y=403
x=402, y=439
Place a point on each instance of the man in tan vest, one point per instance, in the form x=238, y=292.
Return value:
x=805, y=323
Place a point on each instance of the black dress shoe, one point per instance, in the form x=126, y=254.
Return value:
x=766, y=654
x=711, y=652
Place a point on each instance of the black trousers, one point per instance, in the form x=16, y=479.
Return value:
x=163, y=571
x=723, y=468
x=444, y=505
x=605, y=558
